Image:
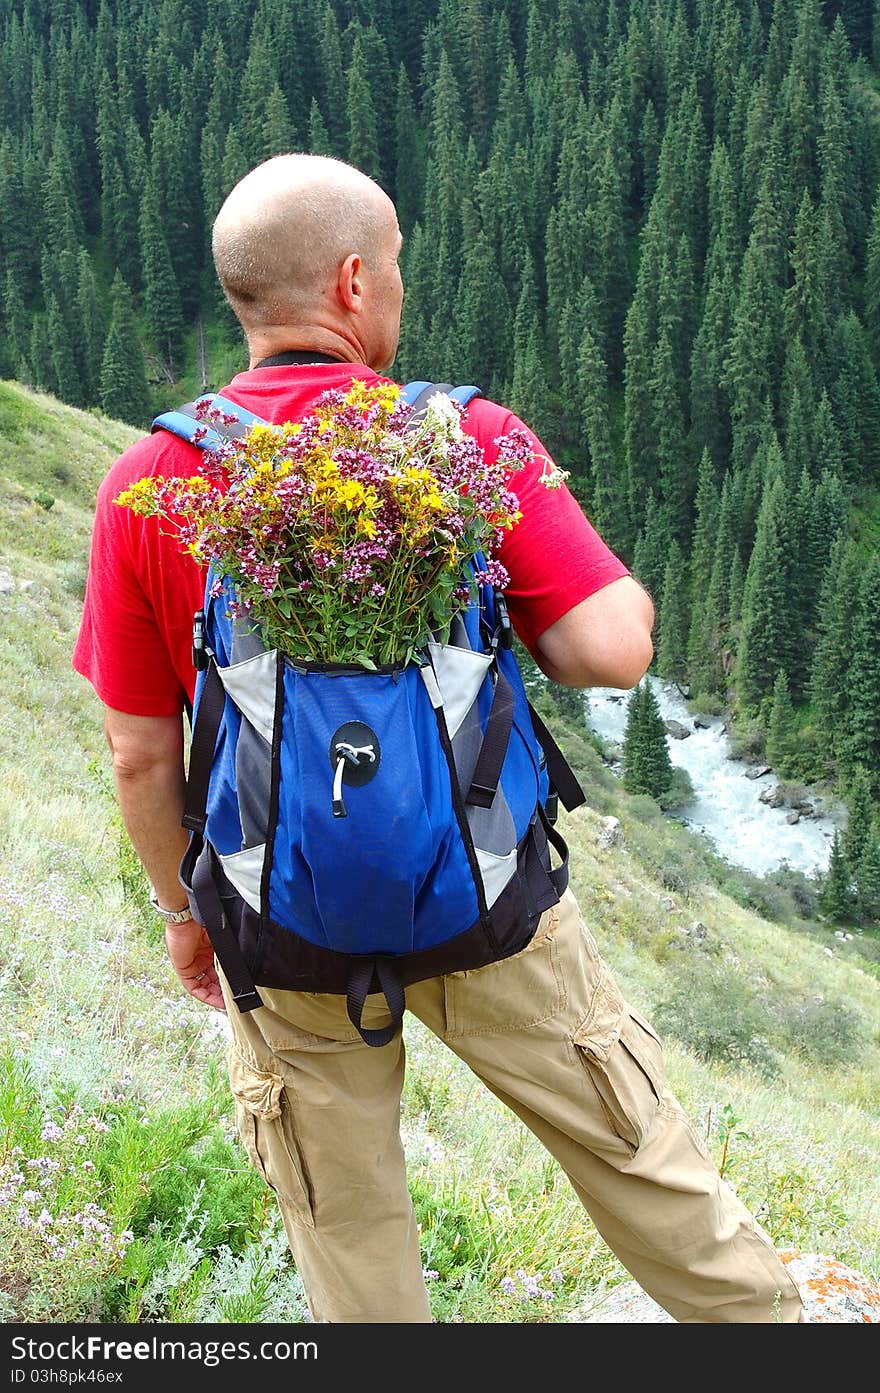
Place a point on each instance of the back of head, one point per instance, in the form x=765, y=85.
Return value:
x=284, y=230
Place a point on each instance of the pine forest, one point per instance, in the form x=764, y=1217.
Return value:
x=651, y=227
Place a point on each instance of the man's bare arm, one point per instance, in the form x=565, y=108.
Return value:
x=147, y=754
x=605, y=641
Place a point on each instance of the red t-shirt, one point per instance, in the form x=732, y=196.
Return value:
x=135, y=640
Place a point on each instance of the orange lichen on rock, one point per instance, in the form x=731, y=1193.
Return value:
x=832, y=1292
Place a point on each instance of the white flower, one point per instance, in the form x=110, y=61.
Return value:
x=443, y=416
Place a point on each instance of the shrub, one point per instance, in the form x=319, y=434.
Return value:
x=827, y=1031
x=713, y=1010
x=674, y=876
x=705, y=705
x=679, y=793
x=747, y=740
x=800, y=888
x=718, y=1013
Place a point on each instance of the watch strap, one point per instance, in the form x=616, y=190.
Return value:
x=171, y=916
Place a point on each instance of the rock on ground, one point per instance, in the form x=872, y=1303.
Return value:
x=609, y=833
x=831, y=1293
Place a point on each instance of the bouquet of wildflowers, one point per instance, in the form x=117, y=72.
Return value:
x=346, y=536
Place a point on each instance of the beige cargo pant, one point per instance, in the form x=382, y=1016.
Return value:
x=549, y=1033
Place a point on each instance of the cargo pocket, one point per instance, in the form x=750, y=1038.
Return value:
x=623, y=1060
x=262, y=1114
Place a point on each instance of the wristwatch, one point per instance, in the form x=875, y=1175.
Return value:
x=171, y=916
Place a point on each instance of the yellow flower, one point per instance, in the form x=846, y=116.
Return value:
x=140, y=497
x=351, y=494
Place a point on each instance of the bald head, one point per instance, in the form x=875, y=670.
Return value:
x=286, y=228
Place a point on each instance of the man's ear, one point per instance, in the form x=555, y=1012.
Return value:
x=350, y=283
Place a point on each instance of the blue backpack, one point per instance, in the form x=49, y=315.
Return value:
x=356, y=831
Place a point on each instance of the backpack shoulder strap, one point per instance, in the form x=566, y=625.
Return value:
x=184, y=421
x=415, y=395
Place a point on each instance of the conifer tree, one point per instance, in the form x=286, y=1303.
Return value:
x=363, y=133
x=16, y=250
x=610, y=513
x=64, y=226
x=332, y=82
x=872, y=274
x=409, y=159
x=736, y=586
x=609, y=232
x=647, y=767
x=318, y=138
x=235, y=160
x=830, y=685
x=90, y=318
x=724, y=232
x=781, y=731
x=482, y=317
x=827, y=446
x=836, y=897
x=709, y=409
x=16, y=328
x=123, y=383
x=747, y=374
x=803, y=307
x=701, y=567
x=672, y=637
x=277, y=129
x=867, y=879
x=40, y=361
x=638, y=412
x=649, y=152
x=651, y=551
x=765, y=634
x=164, y=321
x=173, y=154
x=859, y=826
x=863, y=727
x=66, y=382
x=529, y=390
x=669, y=428
x=800, y=455
x=855, y=398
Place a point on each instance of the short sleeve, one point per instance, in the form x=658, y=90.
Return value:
x=554, y=556
x=141, y=592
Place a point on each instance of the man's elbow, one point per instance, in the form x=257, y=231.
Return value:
x=629, y=666
x=141, y=746
x=621, y=661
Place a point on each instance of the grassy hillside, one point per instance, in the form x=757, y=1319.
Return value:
x=112, y=1091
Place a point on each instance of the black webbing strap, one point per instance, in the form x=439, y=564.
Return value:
x=487, y=770
x=223, y=940
x=561, y=777
x=559, y=874
x=201, y=755
x=360, y=978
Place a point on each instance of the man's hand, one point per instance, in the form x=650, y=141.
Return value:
x=192, y=958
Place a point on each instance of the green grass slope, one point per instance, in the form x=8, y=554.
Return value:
x=124, y=1194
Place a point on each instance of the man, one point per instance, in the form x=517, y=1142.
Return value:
x=306, y=249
